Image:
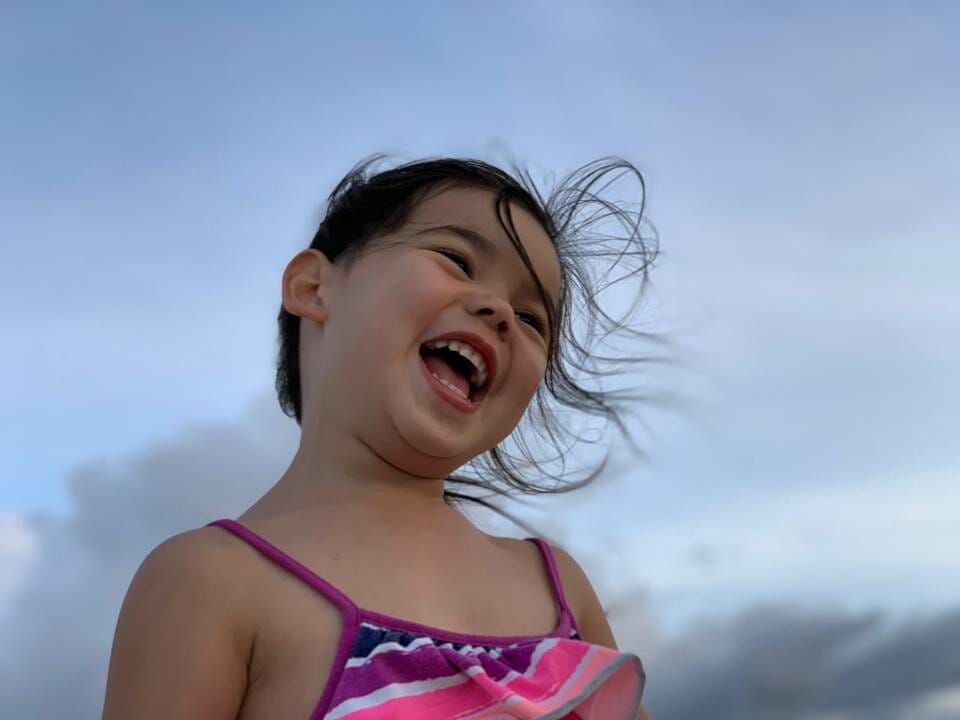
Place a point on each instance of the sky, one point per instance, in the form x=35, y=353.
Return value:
x=786, y=547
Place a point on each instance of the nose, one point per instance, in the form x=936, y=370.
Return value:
x=496, y=312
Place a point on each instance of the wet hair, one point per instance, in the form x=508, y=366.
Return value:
x=367, y=206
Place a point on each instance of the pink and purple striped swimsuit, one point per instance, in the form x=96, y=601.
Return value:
x=390, y=668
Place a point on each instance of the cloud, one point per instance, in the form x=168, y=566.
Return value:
x=59, y=627
x=940, y=704
x=767, y=661
x=18, y=548
x=783, y=661
x=888, y=541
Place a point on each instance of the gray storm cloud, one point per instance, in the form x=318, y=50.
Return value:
x=780, y=661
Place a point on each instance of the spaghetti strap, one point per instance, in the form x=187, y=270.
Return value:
x=352, y=613
x=296, y=568
x=559, y=596
x=387, y=666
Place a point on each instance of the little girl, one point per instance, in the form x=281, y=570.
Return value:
x=414, y=333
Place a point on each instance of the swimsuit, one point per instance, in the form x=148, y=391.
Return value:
x=387, y=668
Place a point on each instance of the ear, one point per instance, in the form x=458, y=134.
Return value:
x=306, y=285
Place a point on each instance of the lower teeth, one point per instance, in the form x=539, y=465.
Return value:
x=457, y=390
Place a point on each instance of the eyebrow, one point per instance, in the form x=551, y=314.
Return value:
x=486, y=247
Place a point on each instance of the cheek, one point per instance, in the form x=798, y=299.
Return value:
x=414, y=285
x=529, y=373
x=394, y=297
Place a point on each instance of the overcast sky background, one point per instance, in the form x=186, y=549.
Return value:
x=787, y=550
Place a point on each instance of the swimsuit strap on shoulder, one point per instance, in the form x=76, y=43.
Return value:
x=305, y=574
x=557, y=585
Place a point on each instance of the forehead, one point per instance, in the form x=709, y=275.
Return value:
x=473, y=208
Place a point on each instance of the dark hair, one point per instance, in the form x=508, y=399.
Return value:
x=365, y=207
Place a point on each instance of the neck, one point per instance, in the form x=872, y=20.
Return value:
x=339, y=483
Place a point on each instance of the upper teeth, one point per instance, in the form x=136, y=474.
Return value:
x=479, y=375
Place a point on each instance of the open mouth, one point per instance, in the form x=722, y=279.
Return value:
x=455, y=372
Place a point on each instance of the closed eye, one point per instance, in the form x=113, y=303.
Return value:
x=458, y=259
x=535, y=322
x=462, y=261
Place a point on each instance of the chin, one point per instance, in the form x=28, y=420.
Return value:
x=429, y=445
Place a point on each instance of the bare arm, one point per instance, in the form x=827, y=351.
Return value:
x=591, y=617
x=177, y=651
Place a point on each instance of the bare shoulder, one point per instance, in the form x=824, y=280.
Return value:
x=194, y=546
x=582, y=598
x=579, y=593
x=206, y=560
x=590, y=615
x=573, y=577
x=586, y=606
x=182, y=641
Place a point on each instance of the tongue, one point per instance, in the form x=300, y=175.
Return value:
x=440, y=367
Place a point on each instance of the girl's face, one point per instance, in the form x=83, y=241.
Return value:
x=362, y=363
